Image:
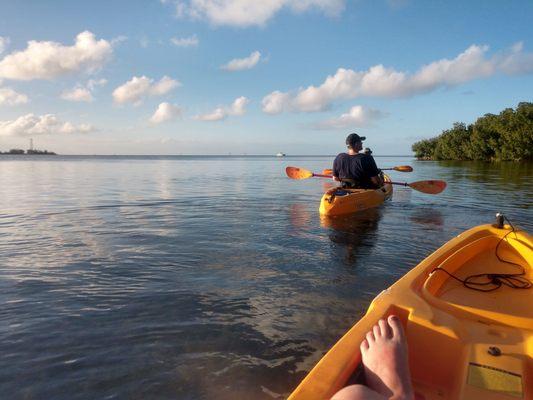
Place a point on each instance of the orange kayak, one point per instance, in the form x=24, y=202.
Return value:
x=340, y=201
x=463, y=343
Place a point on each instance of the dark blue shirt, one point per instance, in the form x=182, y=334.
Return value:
x=359, y=167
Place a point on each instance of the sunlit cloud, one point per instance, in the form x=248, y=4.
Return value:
x=77, y=94
x=9, y=97
x=245, y=13
x=137, y=88
x=379, y=81
x=165, y=112
x=49, y=124
x=237, y=108
x=357, y=116
x=49, y=60
x=82, y=93
x=239, y=64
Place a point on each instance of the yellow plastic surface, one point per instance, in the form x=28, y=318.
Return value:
x=356, y=200
x=449, y=327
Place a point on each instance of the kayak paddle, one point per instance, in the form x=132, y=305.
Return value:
x=300, y=173
x=429, y=186
x=400, y=168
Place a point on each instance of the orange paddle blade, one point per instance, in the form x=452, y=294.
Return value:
x=429, y=187
x=403, y=168
x=298, y=173
x=327, y=171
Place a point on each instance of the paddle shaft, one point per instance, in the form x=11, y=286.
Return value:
x=331, y=176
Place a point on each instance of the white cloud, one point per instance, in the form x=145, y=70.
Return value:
x=357, y=116
x=137, y=88
x=83, y=93
x=77, y=94
x=93, y=83
x=165, y=112
x=217, y=114
x=244, y=13
x=9, y=97
x=48, y=124
x=185, y=42
x=49, y=60
x=4, y=42
x=237, y=108
x=379, y=81
x=239, y=64
x=276, y=102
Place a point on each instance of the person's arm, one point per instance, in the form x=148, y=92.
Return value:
x=336, y=170
x=374, y=172
x=377, y=181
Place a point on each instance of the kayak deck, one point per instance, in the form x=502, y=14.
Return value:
x=341, y=201
x=451, y=329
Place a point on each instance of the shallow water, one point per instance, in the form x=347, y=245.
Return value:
x=205, y=277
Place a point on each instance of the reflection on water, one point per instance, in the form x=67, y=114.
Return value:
x=427, y=216
x=354, y=231
x=128, y=277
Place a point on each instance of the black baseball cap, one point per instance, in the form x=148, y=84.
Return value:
x=354, y=138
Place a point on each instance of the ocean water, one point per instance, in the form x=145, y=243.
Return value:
x=205, y=277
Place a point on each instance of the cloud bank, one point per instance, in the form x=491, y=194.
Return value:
x=245, y=13
x=49, y=60
x=165, y=112
x=137, y=88
x=379, y=81
x=237, y=108
x=239, y=64
x=49, y=124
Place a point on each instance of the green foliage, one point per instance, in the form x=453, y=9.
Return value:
x=507, y=136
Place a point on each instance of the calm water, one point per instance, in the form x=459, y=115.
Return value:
x=205, y=277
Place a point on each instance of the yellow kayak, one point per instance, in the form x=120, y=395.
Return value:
x=340, y=201
x=471, y=340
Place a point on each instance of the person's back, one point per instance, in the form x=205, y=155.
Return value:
x=357, y=167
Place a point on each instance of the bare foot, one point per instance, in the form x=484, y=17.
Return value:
x=384, y=354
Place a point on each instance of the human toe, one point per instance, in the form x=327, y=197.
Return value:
x=396, y=327
x=384, y=328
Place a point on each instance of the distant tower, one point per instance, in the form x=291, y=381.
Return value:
x=31, y=144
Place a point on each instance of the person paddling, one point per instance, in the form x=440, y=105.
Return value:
x=354, y=169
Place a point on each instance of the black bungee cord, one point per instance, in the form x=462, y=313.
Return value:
x=495, y=280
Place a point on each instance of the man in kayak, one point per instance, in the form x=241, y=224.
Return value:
x=384, y=353
x=356, y=169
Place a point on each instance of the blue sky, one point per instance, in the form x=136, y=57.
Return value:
x=243, y=76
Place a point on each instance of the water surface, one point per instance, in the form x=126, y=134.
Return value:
x=205, y=277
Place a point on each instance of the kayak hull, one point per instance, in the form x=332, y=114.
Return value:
x=450, y=328
x=337, y=201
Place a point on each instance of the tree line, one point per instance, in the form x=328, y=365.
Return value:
x=504, y=137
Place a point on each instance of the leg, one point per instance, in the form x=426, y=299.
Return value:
x=357, y=392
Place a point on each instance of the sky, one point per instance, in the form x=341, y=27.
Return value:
x=255, y=77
